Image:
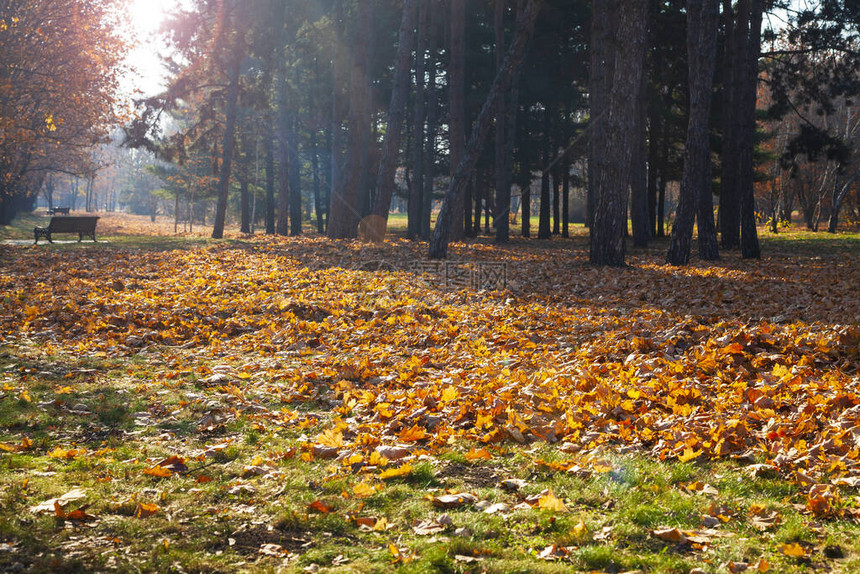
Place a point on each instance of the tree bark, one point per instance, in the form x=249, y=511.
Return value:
x=750, y=248
x=270, y=182
x=244, y=207
x=702, y=19
x=457, y=112
x=602, y=55
x=283, y=222
x=419, y=112
x=228, y=145
x=732, y=63
x=503, y=187
x=315, y=168
x=341, y=216
x=639, y=172
x=612, y=171
x=432, y=111
x=565, y=200
x=295, y=180
x=544, y=230
x=396, y=113
x=502, y=81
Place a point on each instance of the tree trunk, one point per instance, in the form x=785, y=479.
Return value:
x=343, y=221
x=244, y=207
x=639, y=173
x=270, y=181
x=315, y=167
x=340, y=216
x=732, y=64
x=284, y=155
x=394, y=132
x=565, y=200
x=556, y=201
x=227, y=147
x=840, y=192
x=750, y=248
x=702, y=19
x=457, y=112
x=544, y=230
x=415, y=195
x=501, y=83
x=604, y=16
x=295, y=180
x=612, y=171
x=432, y=112
x=502, y=185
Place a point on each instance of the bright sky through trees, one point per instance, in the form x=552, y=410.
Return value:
x=146, y=16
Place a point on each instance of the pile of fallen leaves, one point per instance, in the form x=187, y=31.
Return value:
x=753, y=361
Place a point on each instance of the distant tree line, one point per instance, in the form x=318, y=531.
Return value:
x=478, y=111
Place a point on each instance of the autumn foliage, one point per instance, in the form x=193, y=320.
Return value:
x=717, y=361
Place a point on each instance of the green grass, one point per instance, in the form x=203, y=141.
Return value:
x=609, y=526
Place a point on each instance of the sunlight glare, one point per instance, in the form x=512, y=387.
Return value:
x=146, y=17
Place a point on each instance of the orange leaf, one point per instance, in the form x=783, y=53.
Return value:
x=413, y=434
x=670, y=535
x=145, y=510
x=320, y=507
x=479, y=454
x=158, y=472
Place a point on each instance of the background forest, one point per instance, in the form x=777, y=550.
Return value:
x=279, y=397
x=287, y=117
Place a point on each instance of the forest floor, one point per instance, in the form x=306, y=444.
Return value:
x=177, y=404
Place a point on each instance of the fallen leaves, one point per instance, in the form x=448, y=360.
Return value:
x=49, y=506
x=551, y=502
x=430, y=526
x=401, y=471
x=633, y=381
x=452, y=500
x=377, y=374
x=795, y=550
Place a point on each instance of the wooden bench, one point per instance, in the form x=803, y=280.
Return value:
x=59, y=211
x=82, y=225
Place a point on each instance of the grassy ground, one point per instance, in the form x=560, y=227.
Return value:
x=267, y=405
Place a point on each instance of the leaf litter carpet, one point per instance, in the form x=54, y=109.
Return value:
x=753, y=361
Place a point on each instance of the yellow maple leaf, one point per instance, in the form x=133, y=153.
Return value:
x=794, y=550
x=377, y=459
x=551, y=502
x=331, y=437
x=689, y=454
x=363, y=490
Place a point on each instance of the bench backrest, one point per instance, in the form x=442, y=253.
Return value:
x=73, y=224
